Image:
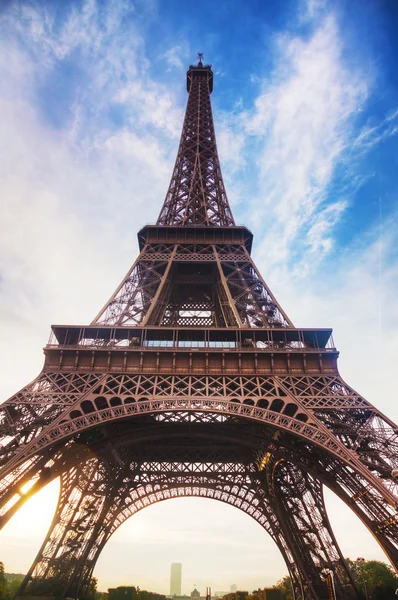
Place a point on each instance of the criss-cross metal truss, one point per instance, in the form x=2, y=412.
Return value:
x=196, y=195
x=194, y=285
x=192, y=381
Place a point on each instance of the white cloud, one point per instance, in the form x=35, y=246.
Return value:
x=230, y=145
x=151, y=104
x=319, y=237
x=75, y=194
x=372, y=135
x=302, y=121
x=310, y=9
x=174, y=57
x=356, y=295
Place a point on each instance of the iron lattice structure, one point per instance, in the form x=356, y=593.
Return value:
x=192, y=381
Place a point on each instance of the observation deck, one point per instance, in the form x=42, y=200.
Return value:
x=200, y=70
x=186, y=350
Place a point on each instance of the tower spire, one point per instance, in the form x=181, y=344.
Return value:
x=196, y=194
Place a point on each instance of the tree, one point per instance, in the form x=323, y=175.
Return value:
x=285, y=586
x=374, y=578
x=3, y=583
x=92, y=589
x=13, y=586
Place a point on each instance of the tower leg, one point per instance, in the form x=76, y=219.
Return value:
x=30, y=477
x=368, y=505
x=60, y=566
x=298, y=500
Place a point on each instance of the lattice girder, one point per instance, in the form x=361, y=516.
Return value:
x=232, y=479
x=31, y=411
x=265, y=399
x=83, y=503
x=369, y=503
x=380, y=518
x=169, y=274
x=297, y=498
x=250, y=500
x=79, y=533
x=196, y=195
x=132, y=299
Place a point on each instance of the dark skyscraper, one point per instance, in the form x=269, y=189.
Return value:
x=175, y=579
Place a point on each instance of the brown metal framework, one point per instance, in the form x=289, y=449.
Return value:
x=192, y=381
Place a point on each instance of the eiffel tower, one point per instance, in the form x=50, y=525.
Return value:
x=192, y=381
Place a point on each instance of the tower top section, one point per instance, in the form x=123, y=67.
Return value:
x=200, y=70
x=196, y=195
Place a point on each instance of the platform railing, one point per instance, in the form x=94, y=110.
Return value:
x=275, y=340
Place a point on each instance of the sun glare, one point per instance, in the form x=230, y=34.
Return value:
x=22, y=536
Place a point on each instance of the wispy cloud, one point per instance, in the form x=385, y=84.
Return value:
x=373, y=135
x=303, y=123
x=311, y=9
x=356, y=295
x=82, y=168
x=307, y=134
x=174, y=56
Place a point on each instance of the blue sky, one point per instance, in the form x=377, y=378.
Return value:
x=306, y=111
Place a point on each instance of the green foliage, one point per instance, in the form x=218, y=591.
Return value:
x=3, y=583
x=45, y=587
x=273, y=593
x=13, y=586
x=92, y=589
x=375, y=579
x=285, y=586
x=9, y=584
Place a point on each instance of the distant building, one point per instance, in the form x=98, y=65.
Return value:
x=195, y=595
x=220, y=594
x=175, y=579
x=233, y=589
